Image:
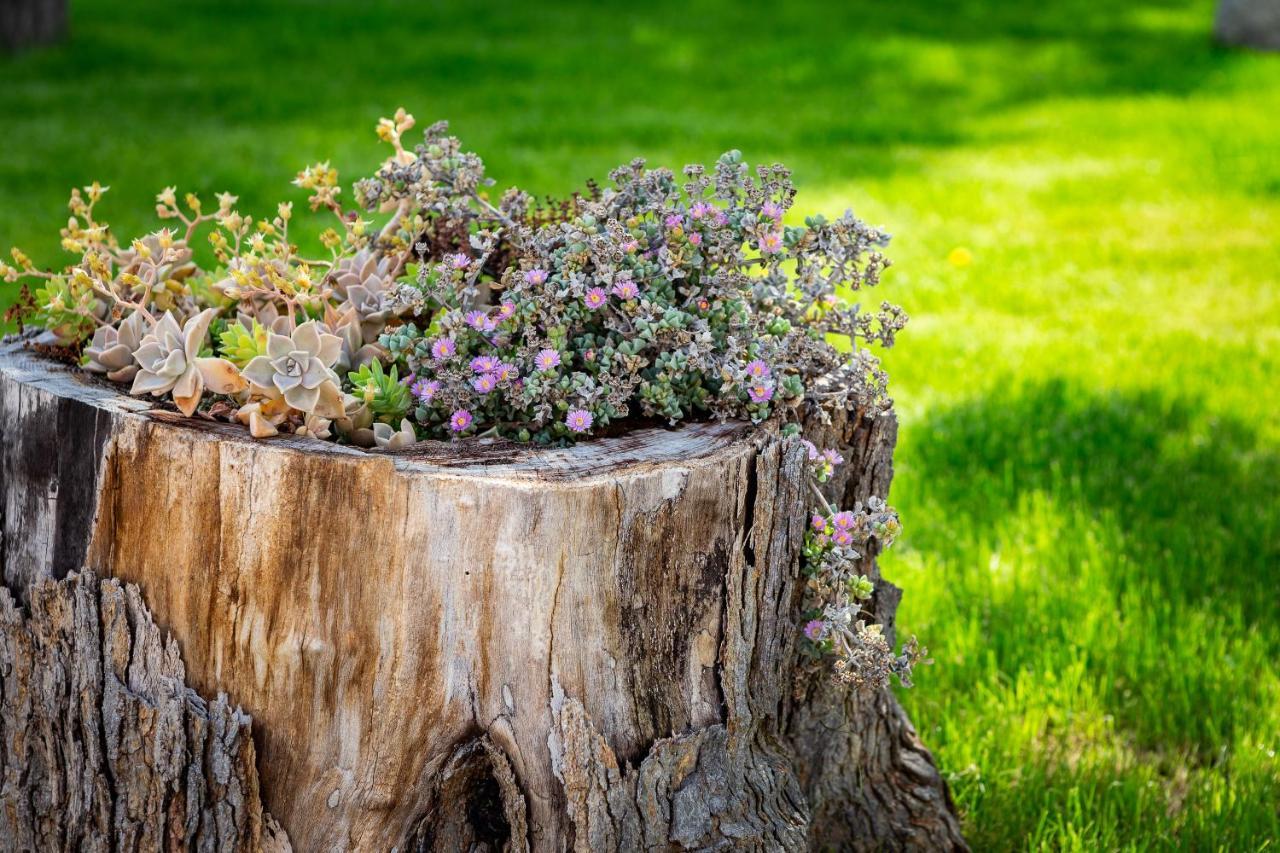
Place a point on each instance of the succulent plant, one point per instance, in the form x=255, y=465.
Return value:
x=169, y=362
x=358, y=269
x=263, y=417
x=242, y=342
x=112, y=348
x=386, y=396
x=387, y=437
x=368, y=294
x=298, y=368
x=355, y=352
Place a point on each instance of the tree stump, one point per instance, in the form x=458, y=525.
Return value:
x=485, y=646
x=1248, y=23
x=28, y=23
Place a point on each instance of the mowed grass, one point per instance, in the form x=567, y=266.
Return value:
x=1089, y=460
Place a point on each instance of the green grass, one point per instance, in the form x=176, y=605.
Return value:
x=1089, y=462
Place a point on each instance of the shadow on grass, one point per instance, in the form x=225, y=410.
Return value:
x=1192, y=492
x=1163, y=576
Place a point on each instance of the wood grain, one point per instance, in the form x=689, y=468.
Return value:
x=467, y=645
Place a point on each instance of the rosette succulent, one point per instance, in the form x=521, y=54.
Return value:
x=298, y=369
x=111, y=350
x=362, y=268
x=169, y=362
x=388, y=437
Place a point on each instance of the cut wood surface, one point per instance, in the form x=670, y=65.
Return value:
x=488, y=647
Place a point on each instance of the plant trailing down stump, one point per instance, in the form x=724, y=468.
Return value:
x=437, y=313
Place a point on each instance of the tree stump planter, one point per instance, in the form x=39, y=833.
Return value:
x=485, y=647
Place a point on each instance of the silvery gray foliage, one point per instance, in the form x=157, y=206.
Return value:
x=659, y=297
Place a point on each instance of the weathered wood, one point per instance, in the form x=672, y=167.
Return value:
x=485, y=646
x=102, y=746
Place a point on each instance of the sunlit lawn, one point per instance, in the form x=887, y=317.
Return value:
x=1089, y=465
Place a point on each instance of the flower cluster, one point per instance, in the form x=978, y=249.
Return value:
x=437, y=310
x=837, y=544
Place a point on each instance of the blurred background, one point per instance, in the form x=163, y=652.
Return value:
x=1085, y=198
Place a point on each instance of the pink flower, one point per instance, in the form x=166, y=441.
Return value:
x=832, y=456
x=459, y=261
x=460, y=420
x=625, y=289
x=695, y=238
x=758, y=369
x=771, y=243
x=843, y=520
x=760, y=393
x=674, y=221
x=424, y=390
x=535, y=276
x=484, y=364
x=479, y=321
x=811, y=448
x=506, y=372
x=443, y=348
x=818, y=523
x=771, y=211
x=506, y=309
x=630, y=246
x=842, y=537
x=485, y=382
x=700, y=209
x=596, y=298
x=815, y=629
x=579, y=420
x=547, y=359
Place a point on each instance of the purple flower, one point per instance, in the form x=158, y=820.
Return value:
x=625, y=289
x=425, y=389
x=815, y=629
x=772, y=211
x=484, y=364
x=485, y=382
x=443, y=348
x=630, y=246
x=506, y=372
x=479, y=320
x=758, y=369
x=771, y=243
x=459, y=261
x=843, y=520
x=832, y=456
x=842, y=537
x=596, y=298
x=674, y=221
x=460, y=420
x=579, y=420
x=506, y=309
x=547, y=359
x=695, y=238
x=760, y=392
x=818, y=523
x=700, y=209
x=535, y=276
x=811, y=448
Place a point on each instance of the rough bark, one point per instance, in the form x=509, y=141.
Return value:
x=27, y=23
x=1248, y=23
x=485, y=647
x=102, y=746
